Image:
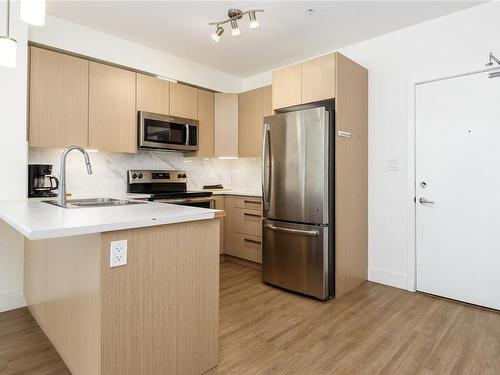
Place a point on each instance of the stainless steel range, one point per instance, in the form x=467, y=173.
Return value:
x=167, y=186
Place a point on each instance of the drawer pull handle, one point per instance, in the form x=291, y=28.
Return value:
x=312, y=233
x=250, y=240
x=250, y=214
x=254, y=202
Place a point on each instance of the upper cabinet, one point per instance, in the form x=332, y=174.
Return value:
x=112, y=113
x=287, y=86
x=318, y=79
x=206, y=118
x=153, y=94
x=308, y=82
x=253, y=106
x=226, y=125
x=58, y=99
x=183, y=101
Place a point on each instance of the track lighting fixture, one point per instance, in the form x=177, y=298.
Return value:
x=217, y=33
x=233, y=16
x=235, y=30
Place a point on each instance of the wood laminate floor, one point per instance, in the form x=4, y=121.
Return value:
x=263, y=330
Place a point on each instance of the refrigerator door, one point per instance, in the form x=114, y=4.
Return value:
x=297, y=257
x=295, y=166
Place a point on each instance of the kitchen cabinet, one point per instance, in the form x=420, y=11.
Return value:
x=153, y=94
x=219, y=205
x=243, y=230
x=206, y=129
x=318, y=79
x=287, y=86
x=311, y=81
x=112, y=112
x=183, y=101
x=226, y=125
x=58, y=99
x=253, y=106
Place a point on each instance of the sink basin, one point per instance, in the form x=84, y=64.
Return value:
x=94, y=202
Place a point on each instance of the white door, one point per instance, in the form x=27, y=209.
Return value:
x=458, y=168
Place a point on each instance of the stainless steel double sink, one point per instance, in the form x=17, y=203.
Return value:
x=95, y=202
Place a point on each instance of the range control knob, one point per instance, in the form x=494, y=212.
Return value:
x=134, y=176
x=183, y=176
x=179, y=176
x=140, y=175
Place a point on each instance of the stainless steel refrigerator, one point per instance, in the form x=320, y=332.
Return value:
x=298, y=194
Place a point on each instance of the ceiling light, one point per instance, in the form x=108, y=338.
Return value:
x=253, y=20
x=235, y=30
x=234, y=15
x=217, y=33
x=8, y=46
x=33, y=12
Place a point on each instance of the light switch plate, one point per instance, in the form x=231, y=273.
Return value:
x=118, y=253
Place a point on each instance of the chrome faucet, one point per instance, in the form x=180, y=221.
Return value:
x=61, y=199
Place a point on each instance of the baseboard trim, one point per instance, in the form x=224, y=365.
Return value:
x=391, y=278
x=12, y=301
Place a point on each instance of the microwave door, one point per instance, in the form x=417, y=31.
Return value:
x=167, y=132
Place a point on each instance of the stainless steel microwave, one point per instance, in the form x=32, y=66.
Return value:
x=164, y=132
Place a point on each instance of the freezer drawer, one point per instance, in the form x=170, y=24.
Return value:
x=297, y=257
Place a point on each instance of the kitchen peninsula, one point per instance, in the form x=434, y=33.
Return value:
x=157, y=314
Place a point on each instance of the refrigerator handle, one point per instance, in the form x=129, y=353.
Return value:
x=312, y=233
x=266, y=178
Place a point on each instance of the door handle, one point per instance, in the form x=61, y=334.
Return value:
x=425, y=201
x=312, y=233
x=266, y=178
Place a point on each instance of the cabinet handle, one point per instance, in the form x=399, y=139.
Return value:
x=251, y=214
x=254, y=241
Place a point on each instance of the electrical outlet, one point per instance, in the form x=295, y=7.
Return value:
x=118, y=253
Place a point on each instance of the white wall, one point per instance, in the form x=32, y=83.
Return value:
x=13, y=153
x=449, y=45
x=90, y=42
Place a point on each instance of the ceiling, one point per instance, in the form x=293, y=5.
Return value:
x=287, y=33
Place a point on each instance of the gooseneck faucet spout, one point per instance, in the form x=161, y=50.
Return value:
x=61, y=199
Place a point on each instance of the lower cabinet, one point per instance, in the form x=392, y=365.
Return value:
x=219, y=205
x=243, y=227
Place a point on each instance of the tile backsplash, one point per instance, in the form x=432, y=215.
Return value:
x=110, y=169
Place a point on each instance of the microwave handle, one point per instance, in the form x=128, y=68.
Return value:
x=187, y=134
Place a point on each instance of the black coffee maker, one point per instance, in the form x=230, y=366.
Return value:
x=40, y=182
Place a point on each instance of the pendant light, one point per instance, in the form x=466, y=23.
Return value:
x=8, y=45
x=33, y=12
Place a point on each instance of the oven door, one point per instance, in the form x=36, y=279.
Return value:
x=167, y=132
x=193, y=202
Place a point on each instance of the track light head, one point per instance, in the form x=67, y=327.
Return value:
x=235, y=30
x=217, y=33
x=253, y=20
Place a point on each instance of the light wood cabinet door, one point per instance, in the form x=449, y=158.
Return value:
x=287, y=86
x=206, y=129
x=58, y=107
x=267, y=100
x=249, y=127
x=253, y=106
x=183, y=101
x=153, y=94
x=112, y=114
x=220, y=205
x=318, y=79
x=226, y=125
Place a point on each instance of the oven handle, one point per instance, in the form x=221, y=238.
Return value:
x=192, y=200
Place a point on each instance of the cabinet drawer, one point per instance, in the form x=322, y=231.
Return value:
x=248, y=247
x=248, y=222
x=248, y=203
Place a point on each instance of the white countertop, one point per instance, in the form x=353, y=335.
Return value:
x=37, y=220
